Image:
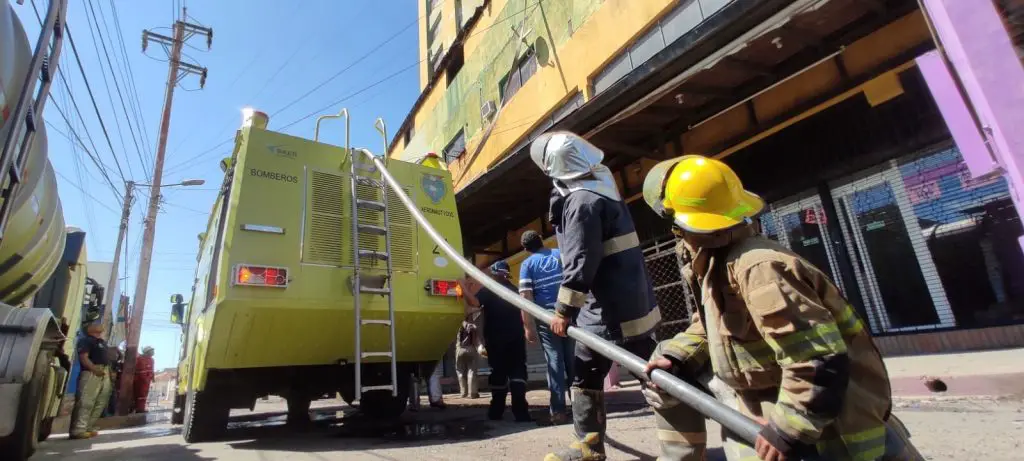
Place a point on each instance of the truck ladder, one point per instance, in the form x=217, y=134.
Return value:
x=361, y=171
x=25, y=118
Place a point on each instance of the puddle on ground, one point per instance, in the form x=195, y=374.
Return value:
x=451, y=430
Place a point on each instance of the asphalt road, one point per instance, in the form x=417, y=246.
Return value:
x=944, y=429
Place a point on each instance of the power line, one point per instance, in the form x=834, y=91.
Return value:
x=90, y=216
x=97, y=36
x=91, y=97
x=131, y=75
x=346, y=68
x=510, y=16
x=99, y=164
x=351, y=95
x=83, y=191
x=128, y=83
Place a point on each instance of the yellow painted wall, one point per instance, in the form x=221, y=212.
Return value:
x=609, y=30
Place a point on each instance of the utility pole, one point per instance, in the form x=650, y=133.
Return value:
x=108, y=298
x=177, y=70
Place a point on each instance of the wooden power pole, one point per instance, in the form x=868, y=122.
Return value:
x=183, y=30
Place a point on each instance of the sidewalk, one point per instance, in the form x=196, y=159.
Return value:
x=987, y=373
x=968, y=374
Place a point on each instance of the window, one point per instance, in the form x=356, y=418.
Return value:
x=407, y=136
x=455, y=61
x=677, y=22
x=455, y=148
x=556, y=116
x=514, y=80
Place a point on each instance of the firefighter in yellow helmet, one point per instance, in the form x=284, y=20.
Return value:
x=772, y=336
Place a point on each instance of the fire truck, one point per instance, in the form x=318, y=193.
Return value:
x=313, y=280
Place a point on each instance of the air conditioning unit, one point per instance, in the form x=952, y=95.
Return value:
x=487, y=110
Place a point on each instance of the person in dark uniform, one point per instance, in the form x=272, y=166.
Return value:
x=505, y=341
x=93, y=382
x=605, y=289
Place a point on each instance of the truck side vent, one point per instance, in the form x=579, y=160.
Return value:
x=404, y=249
x=327, y=224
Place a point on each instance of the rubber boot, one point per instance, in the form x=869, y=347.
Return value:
x=588, y=416
x=497, y=409
x=897, y=442
x=520, y=408
x=682, y=434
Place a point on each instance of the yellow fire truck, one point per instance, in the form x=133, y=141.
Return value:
x=313, y=279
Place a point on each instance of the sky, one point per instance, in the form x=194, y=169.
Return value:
x=265, y=54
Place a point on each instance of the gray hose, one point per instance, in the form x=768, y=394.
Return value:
x=743, y=427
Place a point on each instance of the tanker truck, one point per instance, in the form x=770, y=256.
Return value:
x=313, y=280
x=33, y=239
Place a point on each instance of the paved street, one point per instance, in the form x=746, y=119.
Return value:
x=964, y=429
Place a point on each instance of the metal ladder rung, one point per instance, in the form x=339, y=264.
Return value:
x=376, y=322
x=386, y=387
x=381, y=255
x=370, y=205
x=367, y=355
x=372, y=229
x=369, y=167
x=375, y=291
x=369, y=181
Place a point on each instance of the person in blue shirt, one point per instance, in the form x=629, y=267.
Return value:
x=540, y=277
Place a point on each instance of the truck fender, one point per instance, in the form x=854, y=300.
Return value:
x=23, y=332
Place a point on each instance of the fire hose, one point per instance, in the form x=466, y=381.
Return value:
x=740, y=425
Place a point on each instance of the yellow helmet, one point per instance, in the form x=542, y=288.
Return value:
x=699, y=194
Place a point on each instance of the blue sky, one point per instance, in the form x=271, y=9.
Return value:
x=266, y=54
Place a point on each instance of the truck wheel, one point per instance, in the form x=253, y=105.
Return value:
x=178, y=410
x=298, y=410
x=22, y=443
x=206, y=418
x=381, y=404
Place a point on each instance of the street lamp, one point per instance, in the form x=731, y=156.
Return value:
x=133, y=334
x=125, y=214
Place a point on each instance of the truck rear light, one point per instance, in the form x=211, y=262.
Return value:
x=444, y=288
x=261, y=276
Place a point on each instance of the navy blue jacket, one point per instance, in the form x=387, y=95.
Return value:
x=601, y=255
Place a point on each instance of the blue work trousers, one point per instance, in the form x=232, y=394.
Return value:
x=559, y=353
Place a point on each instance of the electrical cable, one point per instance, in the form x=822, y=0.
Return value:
x=99, y=164
x=139, y=113
x=496, y=23
x=88, y=87
x=97, y=37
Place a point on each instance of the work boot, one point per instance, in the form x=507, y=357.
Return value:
x=520, y=407
x=588, y=416
x=497, y=409
x=897, y=442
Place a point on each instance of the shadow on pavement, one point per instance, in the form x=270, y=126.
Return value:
x=353, y=431
x=60, y=447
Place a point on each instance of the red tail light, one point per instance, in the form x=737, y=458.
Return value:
x=261, y=276
x=444, y=288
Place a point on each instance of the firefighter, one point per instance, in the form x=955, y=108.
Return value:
x=604, y=287
x=94, y=383
x=771, y=327
x=505, y=340
x=144, y=376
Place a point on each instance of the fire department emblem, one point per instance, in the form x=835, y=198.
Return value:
x=434, y=187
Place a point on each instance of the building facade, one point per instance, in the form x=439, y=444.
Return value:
x=883, y=157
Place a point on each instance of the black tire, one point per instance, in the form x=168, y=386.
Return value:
x=178, y=410
x=298, y=410
x=383, y=405
x=45, y=429
x=22, y=443
x=206, y=417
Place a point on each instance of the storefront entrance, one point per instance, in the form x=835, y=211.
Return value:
x=919, y=238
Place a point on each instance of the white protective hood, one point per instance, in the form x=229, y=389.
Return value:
x=573, y=164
